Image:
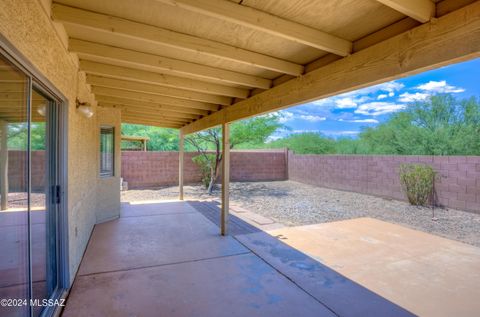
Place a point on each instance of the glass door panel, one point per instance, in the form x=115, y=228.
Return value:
x=43, y=212
x=14, y=220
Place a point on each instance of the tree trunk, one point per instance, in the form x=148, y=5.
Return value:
x=212, y=182
x=214, y=173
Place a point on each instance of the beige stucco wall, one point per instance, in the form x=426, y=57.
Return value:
x=108, y=188
x=27, y=26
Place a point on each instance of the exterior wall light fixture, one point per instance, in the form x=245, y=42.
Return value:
x=42, y=109
x=84, y=108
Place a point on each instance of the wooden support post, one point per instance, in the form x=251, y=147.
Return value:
x=3, y=165
x=144, y=145
x=180, y=164
x=225, y=177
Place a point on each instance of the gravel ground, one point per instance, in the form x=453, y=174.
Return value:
x=294, y=204
x=19, y=200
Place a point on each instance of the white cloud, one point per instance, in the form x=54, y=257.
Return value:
x=345, y=103
x=378, y=108
x=382, y=96
x=388, y=87
x=321, y=102
x=352, y=99
x=272, y=138
x=439, y=87
x=418, y=96
x=360, y=120
x=312, y=118
x=392, y=86
x=285, y=116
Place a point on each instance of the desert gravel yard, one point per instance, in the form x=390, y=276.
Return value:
x=294, y=204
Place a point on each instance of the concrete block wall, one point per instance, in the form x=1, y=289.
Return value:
x=153, y=169
x=17, y=161
x=457, y=186
x=248, y=166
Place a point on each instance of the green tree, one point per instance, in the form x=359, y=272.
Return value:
x=17, y=136
x=208, y=143
x=441, y=125
x=161, y=139
x=306, y=143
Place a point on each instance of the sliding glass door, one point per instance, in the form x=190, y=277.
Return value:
x=43, y=208
x=14, y=208
x=29, y=195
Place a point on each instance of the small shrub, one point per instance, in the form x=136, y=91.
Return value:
x=417, y=182
x=205, y=163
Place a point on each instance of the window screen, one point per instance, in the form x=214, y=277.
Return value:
x=106, y=151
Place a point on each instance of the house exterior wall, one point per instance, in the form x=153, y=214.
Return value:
x=457, y=186
x=153, y=169
x=108, y=188
x=27, y=26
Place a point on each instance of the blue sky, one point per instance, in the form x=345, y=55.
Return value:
x=345, y=115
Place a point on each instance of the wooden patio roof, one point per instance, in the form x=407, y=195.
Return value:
x=195, y=64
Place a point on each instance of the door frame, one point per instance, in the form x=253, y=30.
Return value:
x=37, y=79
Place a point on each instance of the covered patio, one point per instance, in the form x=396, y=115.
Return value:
x=195, y=65
x=191, y=65
x=167, y=259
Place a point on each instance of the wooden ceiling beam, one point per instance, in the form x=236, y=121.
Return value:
x=154, y=98
x=159, y=124
x=144, y=104
x=133, y=74
x=147, y=116
x=152, y=109
x=425, y=47
x=127, y=29
x=109, y=54
x=265, y=22
x=420, y=10
x=144, y=117
x=150, y=121
x=155, y=89
x=157, y=116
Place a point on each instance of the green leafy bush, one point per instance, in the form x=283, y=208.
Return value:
x=417, y=181
x=205, y=163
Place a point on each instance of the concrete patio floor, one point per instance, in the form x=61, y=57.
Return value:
x=426, y=274
x=167, y=259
